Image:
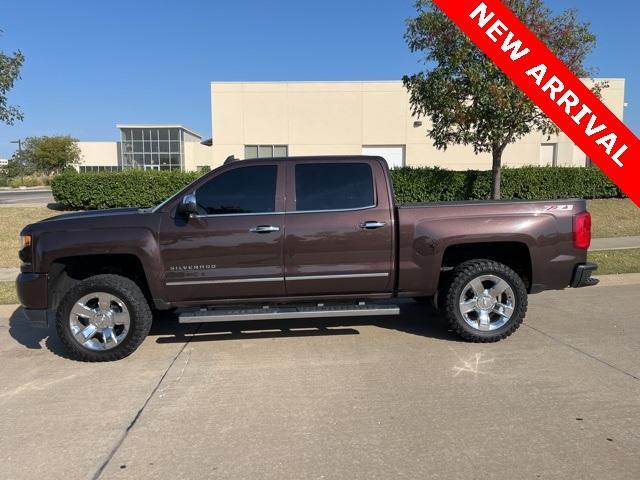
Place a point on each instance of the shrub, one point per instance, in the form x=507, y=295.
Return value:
x=25, y=181
x=36, y=180
x=139, y=188
x=527, y=183
x=131, y=188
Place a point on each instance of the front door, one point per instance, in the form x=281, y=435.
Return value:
x=339, y=238
x=233, y=247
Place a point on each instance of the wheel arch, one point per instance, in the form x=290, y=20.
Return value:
x=66, y=272
x=515, y=255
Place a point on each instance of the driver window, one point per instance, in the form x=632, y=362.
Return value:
x=241, y=190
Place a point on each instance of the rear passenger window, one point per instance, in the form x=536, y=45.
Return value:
x=333, y=186
x=241, y=190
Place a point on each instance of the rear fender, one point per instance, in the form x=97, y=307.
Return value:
x=423, y=251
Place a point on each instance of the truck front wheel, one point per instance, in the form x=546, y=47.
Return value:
x=486, y=301
x=103, y=318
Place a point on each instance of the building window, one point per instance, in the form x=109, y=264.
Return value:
x=152, y=148
x=99, y=168
x=265, y=151
x=549, y=155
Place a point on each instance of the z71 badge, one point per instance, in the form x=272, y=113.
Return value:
x=556, y=208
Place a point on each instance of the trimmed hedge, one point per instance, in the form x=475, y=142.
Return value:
x=527, y=183
x=131, y=188
x=139, y=188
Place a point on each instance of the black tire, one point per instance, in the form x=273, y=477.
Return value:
x=465, y=273
x=423, y=300
x=140, y=317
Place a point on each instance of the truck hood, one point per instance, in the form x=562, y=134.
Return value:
x=109, y=218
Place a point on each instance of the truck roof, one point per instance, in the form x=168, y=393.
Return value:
x=317, y=158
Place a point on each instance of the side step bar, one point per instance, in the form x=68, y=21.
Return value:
x=287, y=312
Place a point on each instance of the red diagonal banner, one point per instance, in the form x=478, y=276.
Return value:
x=552, y=87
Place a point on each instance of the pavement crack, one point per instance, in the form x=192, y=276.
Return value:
x=593, y=357
x=98, y=472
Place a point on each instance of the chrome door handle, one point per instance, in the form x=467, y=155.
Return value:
x=371, y=225
x=265, y=229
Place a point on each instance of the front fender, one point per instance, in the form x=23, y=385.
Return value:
x=140, y=242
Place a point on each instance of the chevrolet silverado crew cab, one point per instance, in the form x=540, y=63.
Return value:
x=295, y=238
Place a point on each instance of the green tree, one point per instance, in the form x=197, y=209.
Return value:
x=9, y=72
x=49, y=155
x=469, y=100
x=15, y=168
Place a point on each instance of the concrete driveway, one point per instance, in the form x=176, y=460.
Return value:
x=340, y=399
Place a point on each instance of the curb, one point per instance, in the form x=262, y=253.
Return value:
x=616, y=280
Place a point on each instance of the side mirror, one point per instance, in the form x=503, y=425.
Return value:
x=188, y=206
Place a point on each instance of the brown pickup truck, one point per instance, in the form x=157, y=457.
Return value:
x=295, y=237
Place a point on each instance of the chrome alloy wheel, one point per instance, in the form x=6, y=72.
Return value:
x=487, y=303
x=99, y=321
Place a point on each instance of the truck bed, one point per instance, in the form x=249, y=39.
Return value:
x=543, y=228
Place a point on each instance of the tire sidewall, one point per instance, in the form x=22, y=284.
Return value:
x=476, y=269
x=138, y=328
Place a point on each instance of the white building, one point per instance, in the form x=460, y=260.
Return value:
x=151, y=147
x=265, y=119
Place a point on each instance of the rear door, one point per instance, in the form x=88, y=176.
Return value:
x=339, y=228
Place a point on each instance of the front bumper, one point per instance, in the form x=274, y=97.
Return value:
x=582, y=276
x=34, y=295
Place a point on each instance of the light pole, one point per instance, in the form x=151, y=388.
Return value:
x=19, y=142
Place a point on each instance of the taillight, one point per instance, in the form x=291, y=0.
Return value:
x=582, y=230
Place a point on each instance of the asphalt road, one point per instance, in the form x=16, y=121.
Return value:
x=340, y=399
x=8, y=197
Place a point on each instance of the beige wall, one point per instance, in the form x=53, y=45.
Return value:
x=320, y=118
x=98, y=153
x=197, y=155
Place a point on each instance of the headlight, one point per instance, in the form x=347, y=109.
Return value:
x=25, y=241
x=26, y=252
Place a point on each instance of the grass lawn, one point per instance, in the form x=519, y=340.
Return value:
x=8, y=293
x=12, y=220
x=616, y=261
x=614, y=218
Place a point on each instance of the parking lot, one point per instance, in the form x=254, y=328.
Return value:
x=360, y=398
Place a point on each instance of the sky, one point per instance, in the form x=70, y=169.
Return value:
x=92, y=64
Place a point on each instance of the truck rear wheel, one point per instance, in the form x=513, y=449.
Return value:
x=486, y=301
x=103, y=318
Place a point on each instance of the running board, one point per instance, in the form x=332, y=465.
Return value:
x=280, y=313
